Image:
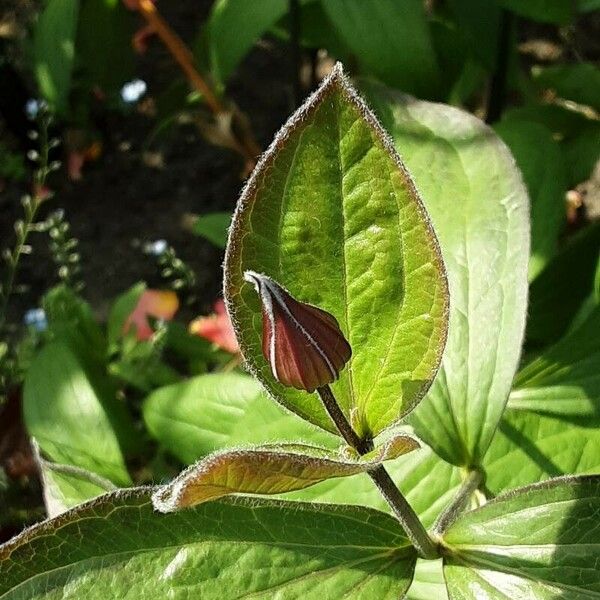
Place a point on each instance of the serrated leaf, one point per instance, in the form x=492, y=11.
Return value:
x=530, y=447
x=541, y=161
x=273, y=469
x=539, y=542
x=565, y=378
x=65, y=486
x=117, y=546
x=71, y=416
x=331, y=214
x=219, y=410
x=390, y=40
x=54, y=50
x=479, y=208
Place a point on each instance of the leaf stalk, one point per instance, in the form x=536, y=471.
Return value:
x=402, y=510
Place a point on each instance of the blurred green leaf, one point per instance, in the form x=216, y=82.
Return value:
x=219, y=410
x=121, y=309
x=213, y=227
x=558, y=291
x=74, y=420
x=537, y=542
x=565, y=378
x=104, y=48
x=579, y=82
x=390, y=40
x=65, y=486
x=479, y=208
x=545, y=11
x=54, y=51
x=584, y=6
x=541, y=161
x=582, y=151
x=118, y=547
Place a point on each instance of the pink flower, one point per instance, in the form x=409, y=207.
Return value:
x=158, y=304
x=216, y=328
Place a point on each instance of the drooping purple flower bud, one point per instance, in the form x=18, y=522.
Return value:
x=302, y=343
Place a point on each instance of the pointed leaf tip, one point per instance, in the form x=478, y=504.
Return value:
x=303, y=344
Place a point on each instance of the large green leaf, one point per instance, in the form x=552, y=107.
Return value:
x=530, y=447
x=540, y=542
x=71, y=416
x=565, y=379
x=331, y=213
x=54, y=50
x=546, y=11
x=479, y=208
x=579, y=82
x=390, y=40
x=219, y=410
x=270, y=469
x=557, y=293
x=117, y=547
x=541, y=161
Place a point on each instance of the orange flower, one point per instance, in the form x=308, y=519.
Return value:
x=216, y=328
x=158, y=304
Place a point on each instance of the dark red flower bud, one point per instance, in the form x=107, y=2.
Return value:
x=303, y=344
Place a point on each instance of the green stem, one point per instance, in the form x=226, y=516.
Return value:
x=472, y=481
x=402, y=510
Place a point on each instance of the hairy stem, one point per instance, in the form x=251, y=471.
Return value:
x=469, y=485
x=402, y=510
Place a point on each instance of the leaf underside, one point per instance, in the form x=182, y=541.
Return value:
x=332, y=215
x=117, y=547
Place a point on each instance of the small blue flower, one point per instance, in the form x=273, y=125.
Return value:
x=36, y=318
x=132, y=91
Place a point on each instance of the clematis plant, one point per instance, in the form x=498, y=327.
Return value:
x=391, y=322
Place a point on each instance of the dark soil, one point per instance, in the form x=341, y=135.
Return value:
x=122, y=202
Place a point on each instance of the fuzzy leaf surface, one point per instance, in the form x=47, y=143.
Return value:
x=331, y=214
x=539, y=542
x=480, y=211
x=117, y=547
x=273, y=469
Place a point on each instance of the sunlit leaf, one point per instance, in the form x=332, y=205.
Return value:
x=479, y=208
x=271, y=469
x=117, y=547
x=539, y=542
x=332, y=215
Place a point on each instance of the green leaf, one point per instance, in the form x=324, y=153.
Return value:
x=210, y=412
x=541, y=162
x=565, y=379
x=233, y=27
x=117, y=546
x=213, y=227
x=579, y=82
x=54, y=50
x=546, y=11
x=531, y=447
x=121, y=309
x=331, y=214
x=538, y=542
x=270, y=469
x=104, y=44
x=479, y=209
x=428, y=581
x=71, y=417
x=582, y=151
x=390, y=40
x=557, y=293
x=65, y=486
